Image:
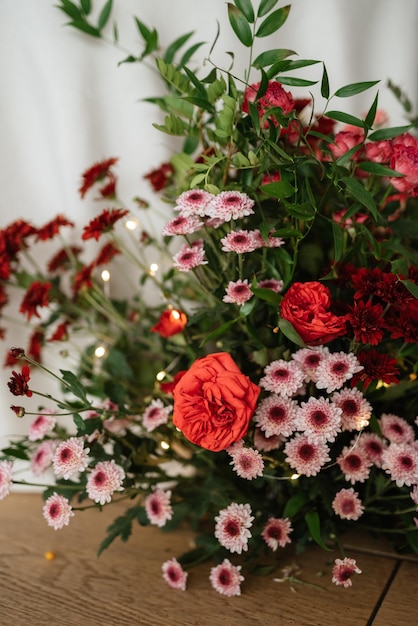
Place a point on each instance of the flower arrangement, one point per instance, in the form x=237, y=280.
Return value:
x=267, y=395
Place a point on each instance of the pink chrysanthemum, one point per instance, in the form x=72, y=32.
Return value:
x=356, y=410
x=354, y=464
x=174, y=574
x=226, y=579
x=182, y=225
x=6, y=471
x=40, y=426
x=282, y=377
x=70, y=457
x=309, y=360
x=272, y=284
x=306, y=457
x=247, y=463
x=42, y=457
x=319, y=419
x=343, y=570
x=400, y=461
x=194, y=202
x=158, y=507
x=276, y=532
x=396, y=429
x=276, y=415
x=232, y=527
x=238, y=292
x=267, y=444
x=239, y=241
x=104, y=480
x=187, y=258
x=155, y=415
x=347, y=504
x=373, y=447
x=230, y=205
x=335, y=369
x=57, y=511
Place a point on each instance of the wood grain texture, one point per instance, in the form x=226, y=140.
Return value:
x=125, y=587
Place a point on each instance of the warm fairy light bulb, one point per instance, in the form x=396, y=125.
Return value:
x=153, y=269
x=105, y=276
x=160, y=376
x=132, y=224
x=175, y=314
x=294, y=476
x=100, y=351
x=165, y=445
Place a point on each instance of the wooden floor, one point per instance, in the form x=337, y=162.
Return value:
x=124, y=586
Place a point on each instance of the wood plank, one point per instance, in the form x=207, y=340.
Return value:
x=400, y=604
x=124, y=586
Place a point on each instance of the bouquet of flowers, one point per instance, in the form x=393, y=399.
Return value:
x=268, y=395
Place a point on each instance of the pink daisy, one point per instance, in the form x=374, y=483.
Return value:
x=42, y=457
x=335, y=369
x=155, y=415
x=247, y=463
x=343, y=570
x=189, y=257
x=347, y=504
x=276, y=532
x=272, y=284
x=276, y=415
x=158, y=507
x=266, y=444
x=282, y=377
x=194, y=202
x=373, y=447
x=356, y=410
x=309, y=360
x=354, y=464
x=239, y=241
x=400, y=460
x=306, y=457
x=40, y=426
x=104, y=480
x=6, y=471
x=226, y=579
x=319, y=419
x=238, y=292
x=230, y=205
x=182, y=225
x=70, y=457
x=232, y=527
x=174, y=574
x=396, y=429
x=57, y=511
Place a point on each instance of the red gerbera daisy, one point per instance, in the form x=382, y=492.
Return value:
x=103, y=223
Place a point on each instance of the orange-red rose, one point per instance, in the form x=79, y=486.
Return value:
x=214, y=402
x=307, y=307
x=170, y=323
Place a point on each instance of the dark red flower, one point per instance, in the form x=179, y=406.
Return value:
x=402, y=322
x=170, y=323
x=36, y=341
x=11, y=359
x=18, y=383
x=52, y=228
x=36, y=296
x=19, y=410
x=103, y=223
x=160, y=177
x=109, y=189
x=60, y=333
x=3, y=297
x=62, y=259
x=83, y=278
x=12, y=240
x=377, y=366
x=366, y=320
x=97, y=172
x=107, y=253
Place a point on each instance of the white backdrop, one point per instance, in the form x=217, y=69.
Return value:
x=66, y=104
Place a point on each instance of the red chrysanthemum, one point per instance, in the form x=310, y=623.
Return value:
x=35, y=345
x=366, y=320
x=103, y=223
x=97, y=172
x=376, y=366
x=160, y=177
x=18, y=383
x=107, y=253
x=83, y=278
x=52, y=228
x=60, y=333
x=403, y=322
x=36, y=296
x=62, y=259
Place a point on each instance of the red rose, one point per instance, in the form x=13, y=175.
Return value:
x=214, y=402
x=275, y=96
x=170, y=323
x=306, y=306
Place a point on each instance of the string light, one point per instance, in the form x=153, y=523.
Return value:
x=161, y=375
x=153, y=269
x=99, y=352
x=132, y=224
x=175, y=314
x=294, y=476
x=165, y=445
x=105, y=276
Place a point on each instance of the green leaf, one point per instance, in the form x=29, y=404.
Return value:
x=70, y=9
x=294, y=504
x=338, y=235
x=360, y=193
x=325, y=83
x=273, y=22
x=218, y=331
x=189, y=53
x=313, y=523
x=196, y=82
x=289, y=332
x=265, y=7
x=247, y=308
x=105, y=14
x=411, y=286
x=297, y=82
x=16, y=453
x=144, y=30
x=280, y=189
x=371, y=113
x=85, y=6
x=240, y=25
x=389, y=133
x=175, y=46
x=376, y=168
x=271, y=57
x=246, y=8
x=73, y=384
x=80, y=424
x=346, y=118
x=355, y=88
x=267, y=295
x=85, y=27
